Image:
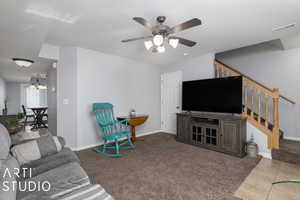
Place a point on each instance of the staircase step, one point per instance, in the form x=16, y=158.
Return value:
x=289, y=151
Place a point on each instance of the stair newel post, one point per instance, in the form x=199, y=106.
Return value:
x=276, y=134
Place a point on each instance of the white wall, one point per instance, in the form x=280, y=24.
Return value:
x=276, y=69
x=13, y=93
x=260, y=139
x=125, y=83
x=67, y=95
x=2, y=94
x=200, y=67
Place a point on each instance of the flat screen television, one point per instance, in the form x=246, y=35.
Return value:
x=222, y=95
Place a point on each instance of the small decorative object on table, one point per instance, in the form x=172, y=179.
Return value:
x=132, y=113
x=252, y=148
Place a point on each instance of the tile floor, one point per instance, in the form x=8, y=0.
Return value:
x=258, y=185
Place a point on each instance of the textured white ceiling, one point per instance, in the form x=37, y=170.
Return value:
x=101, y=25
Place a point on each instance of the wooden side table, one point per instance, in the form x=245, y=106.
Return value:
x=133, y=122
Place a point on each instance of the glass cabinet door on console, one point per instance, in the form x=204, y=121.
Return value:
x=204, y=135
x=197, y=134
x=211, y=136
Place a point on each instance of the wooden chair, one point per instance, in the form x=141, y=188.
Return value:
x=112, y=130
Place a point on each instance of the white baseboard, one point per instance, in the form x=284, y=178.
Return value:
x=87, y=146
x=169, y=132
x=292, y=138
x=148, y=133
x=101, y=143
x=267, y=155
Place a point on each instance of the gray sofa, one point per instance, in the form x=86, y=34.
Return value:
x=57, y=176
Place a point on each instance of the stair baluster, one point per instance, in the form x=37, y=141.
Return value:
x=258, y=107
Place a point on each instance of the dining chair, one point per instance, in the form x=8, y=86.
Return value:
x=26, y=115
x=112, y=130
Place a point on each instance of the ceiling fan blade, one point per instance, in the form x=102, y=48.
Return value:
x=185, y=41
x=143, y=22
x=138, y=38
x=186, y=25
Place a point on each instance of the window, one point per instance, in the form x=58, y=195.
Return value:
x=35, y=97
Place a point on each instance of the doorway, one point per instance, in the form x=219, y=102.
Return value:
x=171, y=84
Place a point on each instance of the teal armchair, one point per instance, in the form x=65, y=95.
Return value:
x=111, y=131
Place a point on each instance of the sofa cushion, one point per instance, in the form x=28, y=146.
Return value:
x=5, y=142
x=61, y=179
x=36, y=149
x=8, y=167
x=37, y=167
x=93, y=192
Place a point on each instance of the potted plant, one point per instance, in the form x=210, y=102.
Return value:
x=20, y=116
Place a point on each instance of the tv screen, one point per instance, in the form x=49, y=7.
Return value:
x=222, y=95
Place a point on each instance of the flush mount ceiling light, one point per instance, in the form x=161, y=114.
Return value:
x=161, y=33
x=23, y=62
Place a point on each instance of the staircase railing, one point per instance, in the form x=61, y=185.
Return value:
x=261, y=104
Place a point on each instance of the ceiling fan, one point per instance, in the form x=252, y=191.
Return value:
x=162, y=33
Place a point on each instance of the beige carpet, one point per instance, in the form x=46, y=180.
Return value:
x=161, y=168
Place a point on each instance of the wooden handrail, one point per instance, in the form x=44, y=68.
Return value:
x=260, y=103
x=256, y=82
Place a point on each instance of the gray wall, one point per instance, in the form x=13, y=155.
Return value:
x=52, y=100
x=2, y=94
x=13, y=93
x=125, y=83
x=276, y=69
x=85, y=77
x=67, y=95
x=200, y=67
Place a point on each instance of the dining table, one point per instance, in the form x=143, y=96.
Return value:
x=135, y=120
x=39, y=114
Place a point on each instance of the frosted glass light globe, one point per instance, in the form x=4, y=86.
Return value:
x=173, y=42
x=148, y=44
x=158, y=40
x=161, y=49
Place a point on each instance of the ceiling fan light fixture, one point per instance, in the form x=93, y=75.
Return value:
x=161, y=49
x=148, y=44
x=162, y=34
x=158, y=40
x=23, y=62
x=173, y=42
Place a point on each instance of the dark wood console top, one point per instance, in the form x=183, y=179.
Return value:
x=213, y=115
